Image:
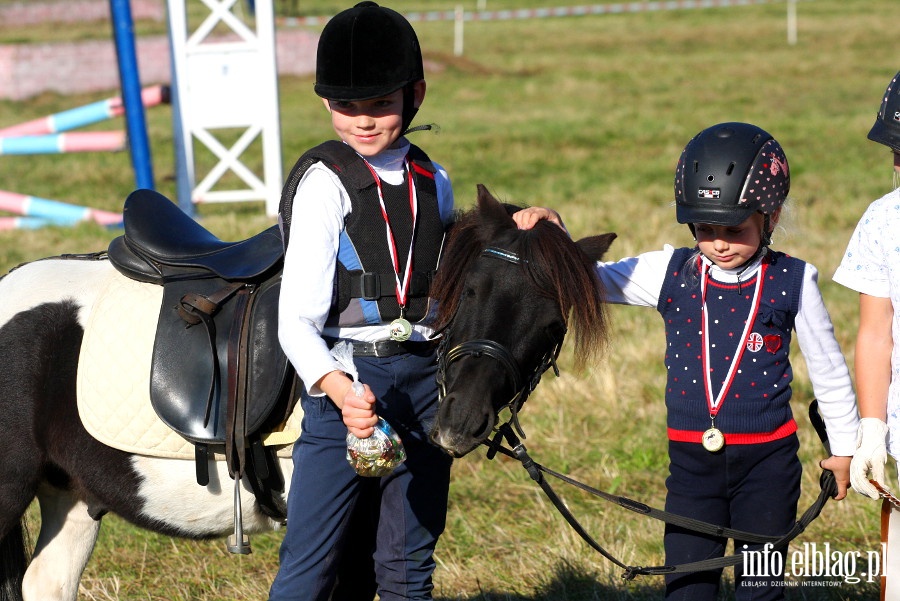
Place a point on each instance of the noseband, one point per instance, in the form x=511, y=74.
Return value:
x=522, y=387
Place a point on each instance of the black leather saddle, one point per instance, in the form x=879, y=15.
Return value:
x=162, y=243
x=219, y=377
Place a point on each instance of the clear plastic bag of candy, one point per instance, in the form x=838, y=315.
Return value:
x=378, y=454
x=381, y=452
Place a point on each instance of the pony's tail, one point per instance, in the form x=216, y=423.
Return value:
x=13, y=562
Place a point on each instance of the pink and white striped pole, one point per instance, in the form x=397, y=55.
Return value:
x=53, y=211
x=22, y=223
x=89, y=141
x=84, y=115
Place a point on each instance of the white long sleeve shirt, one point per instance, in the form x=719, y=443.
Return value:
x=320, y=207
x=639, y=280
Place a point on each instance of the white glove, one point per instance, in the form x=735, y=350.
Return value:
x=871, y=454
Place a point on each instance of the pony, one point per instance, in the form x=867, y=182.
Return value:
x=47, y=454
x=506, y=299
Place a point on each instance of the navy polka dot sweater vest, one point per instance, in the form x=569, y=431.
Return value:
x=756, y=406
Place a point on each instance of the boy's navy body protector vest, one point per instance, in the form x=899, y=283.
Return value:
x=365, y=285
x=756, y=407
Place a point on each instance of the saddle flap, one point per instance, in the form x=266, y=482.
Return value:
x=189, y=386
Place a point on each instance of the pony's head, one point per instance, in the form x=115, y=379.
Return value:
x=506, y=299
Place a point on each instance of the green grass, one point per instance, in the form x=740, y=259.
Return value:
x=587, y=115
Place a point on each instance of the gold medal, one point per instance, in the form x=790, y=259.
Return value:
x=713, y=440
x=400, y=330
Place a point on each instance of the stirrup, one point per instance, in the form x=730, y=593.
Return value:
x=238, y=542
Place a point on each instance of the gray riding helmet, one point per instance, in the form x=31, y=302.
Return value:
x=887, y=123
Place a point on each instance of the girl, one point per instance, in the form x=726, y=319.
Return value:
x=871, y=266
x=730, y=306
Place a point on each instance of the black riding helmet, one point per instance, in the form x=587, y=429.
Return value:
x=887, y=124
x=727, y=173
x=366, y=52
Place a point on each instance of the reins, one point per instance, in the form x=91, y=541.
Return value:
x=517, y=451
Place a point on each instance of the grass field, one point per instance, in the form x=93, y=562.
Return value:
x=587, y=115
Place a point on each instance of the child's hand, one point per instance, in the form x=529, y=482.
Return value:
x=527, y=218
x=840, y=466
x=359, y=412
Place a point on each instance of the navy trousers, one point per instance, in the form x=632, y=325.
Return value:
x=752, y=487
x=340, y=524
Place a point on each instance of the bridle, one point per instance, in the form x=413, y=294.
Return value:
x=522, y=386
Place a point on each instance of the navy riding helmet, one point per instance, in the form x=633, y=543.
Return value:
x=886, y=129
x=727, y=173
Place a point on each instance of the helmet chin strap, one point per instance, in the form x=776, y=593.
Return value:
x=766, y=231
x=409, y=109
x=425, y=127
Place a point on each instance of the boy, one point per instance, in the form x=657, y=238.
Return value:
x=371, y=211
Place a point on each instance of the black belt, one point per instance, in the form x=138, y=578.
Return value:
x=387, y=348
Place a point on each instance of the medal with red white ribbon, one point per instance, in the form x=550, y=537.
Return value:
x=401, y=329
x=713, y=440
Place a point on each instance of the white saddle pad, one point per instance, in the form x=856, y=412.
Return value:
x=113, y=384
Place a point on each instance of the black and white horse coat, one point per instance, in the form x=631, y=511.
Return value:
x=47, y=454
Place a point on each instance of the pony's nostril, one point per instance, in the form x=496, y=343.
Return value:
x=444, y=409
x=485, y=427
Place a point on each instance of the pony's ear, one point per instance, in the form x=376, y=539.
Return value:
x=495, y=215
x=596, y=246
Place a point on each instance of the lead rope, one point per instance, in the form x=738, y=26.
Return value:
x=827, y=484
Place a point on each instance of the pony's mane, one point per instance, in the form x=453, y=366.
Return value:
x=554, y=266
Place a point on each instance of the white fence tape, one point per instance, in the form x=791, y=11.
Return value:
x=559, y=11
